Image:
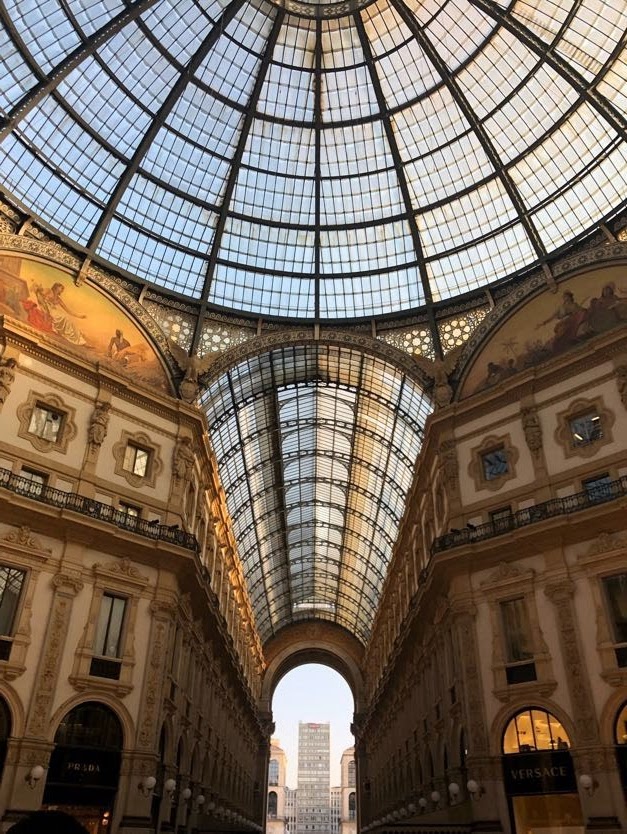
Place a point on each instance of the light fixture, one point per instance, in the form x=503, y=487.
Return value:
x=396, y=815
x=403, y=812
x=34, y=775
x=588, y=784
x=200, y=801
x=422, y=802
x=186, y=794
x=146, y=785
x=435, y=797
x=211, y=806
x=411, y=808
x=475, y=789
x=169, y=786
x=453, y=790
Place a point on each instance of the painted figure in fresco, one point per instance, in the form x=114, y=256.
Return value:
x=52, y=315
x=117, y=344
x=608, y=310
x=123, y=352
x=570, y=318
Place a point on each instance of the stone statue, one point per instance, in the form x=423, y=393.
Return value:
x=439, y=370
x=183, y=459
x=7, y=377
x=99, y=423
x=194, y=367
x=621, y=382
x=532, y=429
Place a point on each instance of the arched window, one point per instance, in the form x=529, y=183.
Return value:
x=5, y=731
x=534, y=729
x=273, y=772
x=351, y=774
x=272, y=804
x=352, y=805
x=85, y=763
x=90, y=725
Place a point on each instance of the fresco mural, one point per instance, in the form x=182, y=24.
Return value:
x=550, y=324
x=46, y=298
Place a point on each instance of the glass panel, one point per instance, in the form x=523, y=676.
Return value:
x=516, y=631
x=616, y=590
x=45, y=423
x=585, y=429
x=621, y=726
x=11, y=581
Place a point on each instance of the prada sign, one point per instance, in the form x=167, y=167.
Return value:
x=543, y=772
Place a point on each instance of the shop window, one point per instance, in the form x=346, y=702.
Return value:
x=46, y=422
x=11, y=584
x=598, y=489
x=616, y=596
x=519, y=656
x=532, y=730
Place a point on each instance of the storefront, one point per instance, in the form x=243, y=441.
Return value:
x=85, y=766
x=539, y=776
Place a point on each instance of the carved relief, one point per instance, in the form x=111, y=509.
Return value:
x=24, y=538
x=533, y=431
x=163, y=615
x=447, y=454
x=183, y=459
x=560, y=593
x=620, y=374
x=7, y=376
x=99, y=424
x=473, y=688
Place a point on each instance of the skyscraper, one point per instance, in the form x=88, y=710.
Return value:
x=314, y=782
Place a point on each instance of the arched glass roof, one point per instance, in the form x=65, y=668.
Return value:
x=315, y=160
x=316, y=447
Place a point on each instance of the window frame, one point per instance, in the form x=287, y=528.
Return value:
x=52, y=403
x=576, y=410
x=154, y=464
x=476, y=467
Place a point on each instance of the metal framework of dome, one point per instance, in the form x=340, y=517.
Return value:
x=313, y=160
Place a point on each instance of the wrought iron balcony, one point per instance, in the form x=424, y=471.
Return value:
x=30, y=488
x=592, y=497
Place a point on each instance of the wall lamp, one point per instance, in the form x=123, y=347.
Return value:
x=186, y=794
x=453, y=790
x=34, y=775
x=411, y=808
x=146, y=785
x=169, y=786
x=200, y=801
x=422, y=802
x=475, y=790
x=588, y=784
x=435, y=798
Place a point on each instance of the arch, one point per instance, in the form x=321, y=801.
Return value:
x=90, y=724
x=525, y=733
x=123, y=715
x=504, y=716
x=314, y=642
x=273, y=803
x=6, y=727
x=14, y=703
x=609, y=716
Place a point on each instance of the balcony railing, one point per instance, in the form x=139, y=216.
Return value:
x=171, y=534
x=592, y=497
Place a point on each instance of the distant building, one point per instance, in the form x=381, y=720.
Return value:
x=276, y=809
x=348, y=812
x=291, y=798
x=336, y=809
x=314, y=779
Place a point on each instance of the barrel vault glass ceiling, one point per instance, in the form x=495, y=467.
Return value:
x=316, y=447
x=314, y=160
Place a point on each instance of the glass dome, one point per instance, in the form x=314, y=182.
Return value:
x=315, y=160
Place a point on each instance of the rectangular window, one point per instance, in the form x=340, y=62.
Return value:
x=585, y=429
x=109, y=629
x=45, y=422
x=136, y=459
x=616, y=593
x=516, y=630
x=11, y=583
x=130, y=510
x=35, y=482
x=598, y=489
x=495, y=464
